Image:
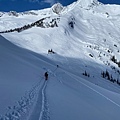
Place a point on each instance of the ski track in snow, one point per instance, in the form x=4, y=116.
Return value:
x=41, y=109
x=44, y=114
x=71, y=75
x=98, y=93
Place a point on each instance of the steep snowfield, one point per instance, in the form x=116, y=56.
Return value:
x=20, y=70
x=86, y=39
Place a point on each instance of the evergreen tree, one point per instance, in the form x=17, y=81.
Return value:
x=119, y=64
x=111, y=79
x=113, y=59
x=107, y=75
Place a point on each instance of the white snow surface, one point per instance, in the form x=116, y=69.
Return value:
x=86, y=38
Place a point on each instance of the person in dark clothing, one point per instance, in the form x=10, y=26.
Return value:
x=46, y=76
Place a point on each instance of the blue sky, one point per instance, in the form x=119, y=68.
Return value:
x=25, y=5
x=110, y=1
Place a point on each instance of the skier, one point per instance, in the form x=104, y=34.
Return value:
x=46, y=76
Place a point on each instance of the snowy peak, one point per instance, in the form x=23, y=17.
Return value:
x=88, y=3
x=57, y=8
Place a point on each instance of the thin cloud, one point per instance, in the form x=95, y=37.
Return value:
x=35, y=1
x=51, y=2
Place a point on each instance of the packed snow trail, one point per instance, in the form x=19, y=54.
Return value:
x=41, y=110
x=44, y=115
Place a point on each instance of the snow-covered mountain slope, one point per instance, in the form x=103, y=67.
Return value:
x=25, y=95
x=86, y=46
x=20, y=70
